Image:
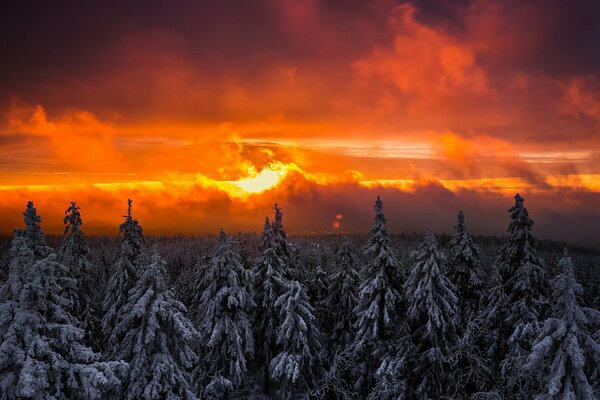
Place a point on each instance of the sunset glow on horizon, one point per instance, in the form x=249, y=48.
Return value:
x=206, y=114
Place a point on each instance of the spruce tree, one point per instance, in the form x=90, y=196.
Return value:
x=42, y=354
x=299, y=339
x=379, y=303
x=432, y=310
x=279, y=233
x=131, y=232
x=270, y=284
x=225, y=326
x=464, y=269
x=125, y=271
x=33, y=233
x=74, y=254
x=493, y=315
x=155, y=337
x=342, y=294
x=565, y=344
x=525, y=284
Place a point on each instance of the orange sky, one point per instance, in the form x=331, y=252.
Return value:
x=207, y=114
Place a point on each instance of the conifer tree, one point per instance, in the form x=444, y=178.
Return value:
x=125, y=272
x=132, y=233
x=74, y=254
x=33, y=233
x=279, y=233
x=494, y=307
x=270, y=284
x=465, y=270
x=21, y=258
x=432, y=316
x=42, y=354
x=300, y=342
x=342, y=294
x=525, y=285
x=155, y=337
x=565, y=344
x=379, y=303
x=225, y=327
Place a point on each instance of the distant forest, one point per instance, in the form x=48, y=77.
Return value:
x=251, y=316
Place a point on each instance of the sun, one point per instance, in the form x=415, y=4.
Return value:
x=257, y=182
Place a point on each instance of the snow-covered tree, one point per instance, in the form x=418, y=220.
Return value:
x=33, y=233
x=21, y=258
x=125, y=271
x=317, y=286
x=342, y=294
x=392, y=377
x=270, y=284
x=131, y=232
x=74, y=254
x=379, y=303
x=525, y=284
x=155, y=337
x=225, y=326
x=493, y=314
x=299, y=339
x=432, y=310
x=42, y=354
x=279, y=232
x=464, y=269
x=565, y=343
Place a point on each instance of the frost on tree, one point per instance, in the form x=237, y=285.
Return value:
x=565, y=346
x=433, y=318
x=33, y=233
x=224, y=321
x=299, y=339
x=493, y=315
x=125, y=271
x=42, y=355
x=74, y=254
x=270, y=284
x=317, y=284
x=279, y=232
x=379, y=303
x=132, y=233
x=525, y=285
x=155, y=337
x=342, y=294
x=464, y=269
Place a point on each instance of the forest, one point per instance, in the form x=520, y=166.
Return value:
x=251, y=316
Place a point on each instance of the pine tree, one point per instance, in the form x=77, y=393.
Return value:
x=465, y=270
x=433, y=318
x=494, y=307
x=317, y=286
x=342, y=294
x=279, y=233
x=565, y=344
x=132, y=233
x=270, y=284
x=379, y=303
x=21, y=258
x=33, y=233
x=226, y=330
x=42, y=355
x=391, y=378
x=300, y=342
x=74, y=254
x=525, y=284
x=155, y=337
x=125, y=271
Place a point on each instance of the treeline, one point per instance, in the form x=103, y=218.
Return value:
x=323, y=318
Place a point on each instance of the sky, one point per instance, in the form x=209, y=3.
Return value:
x=206, y=113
